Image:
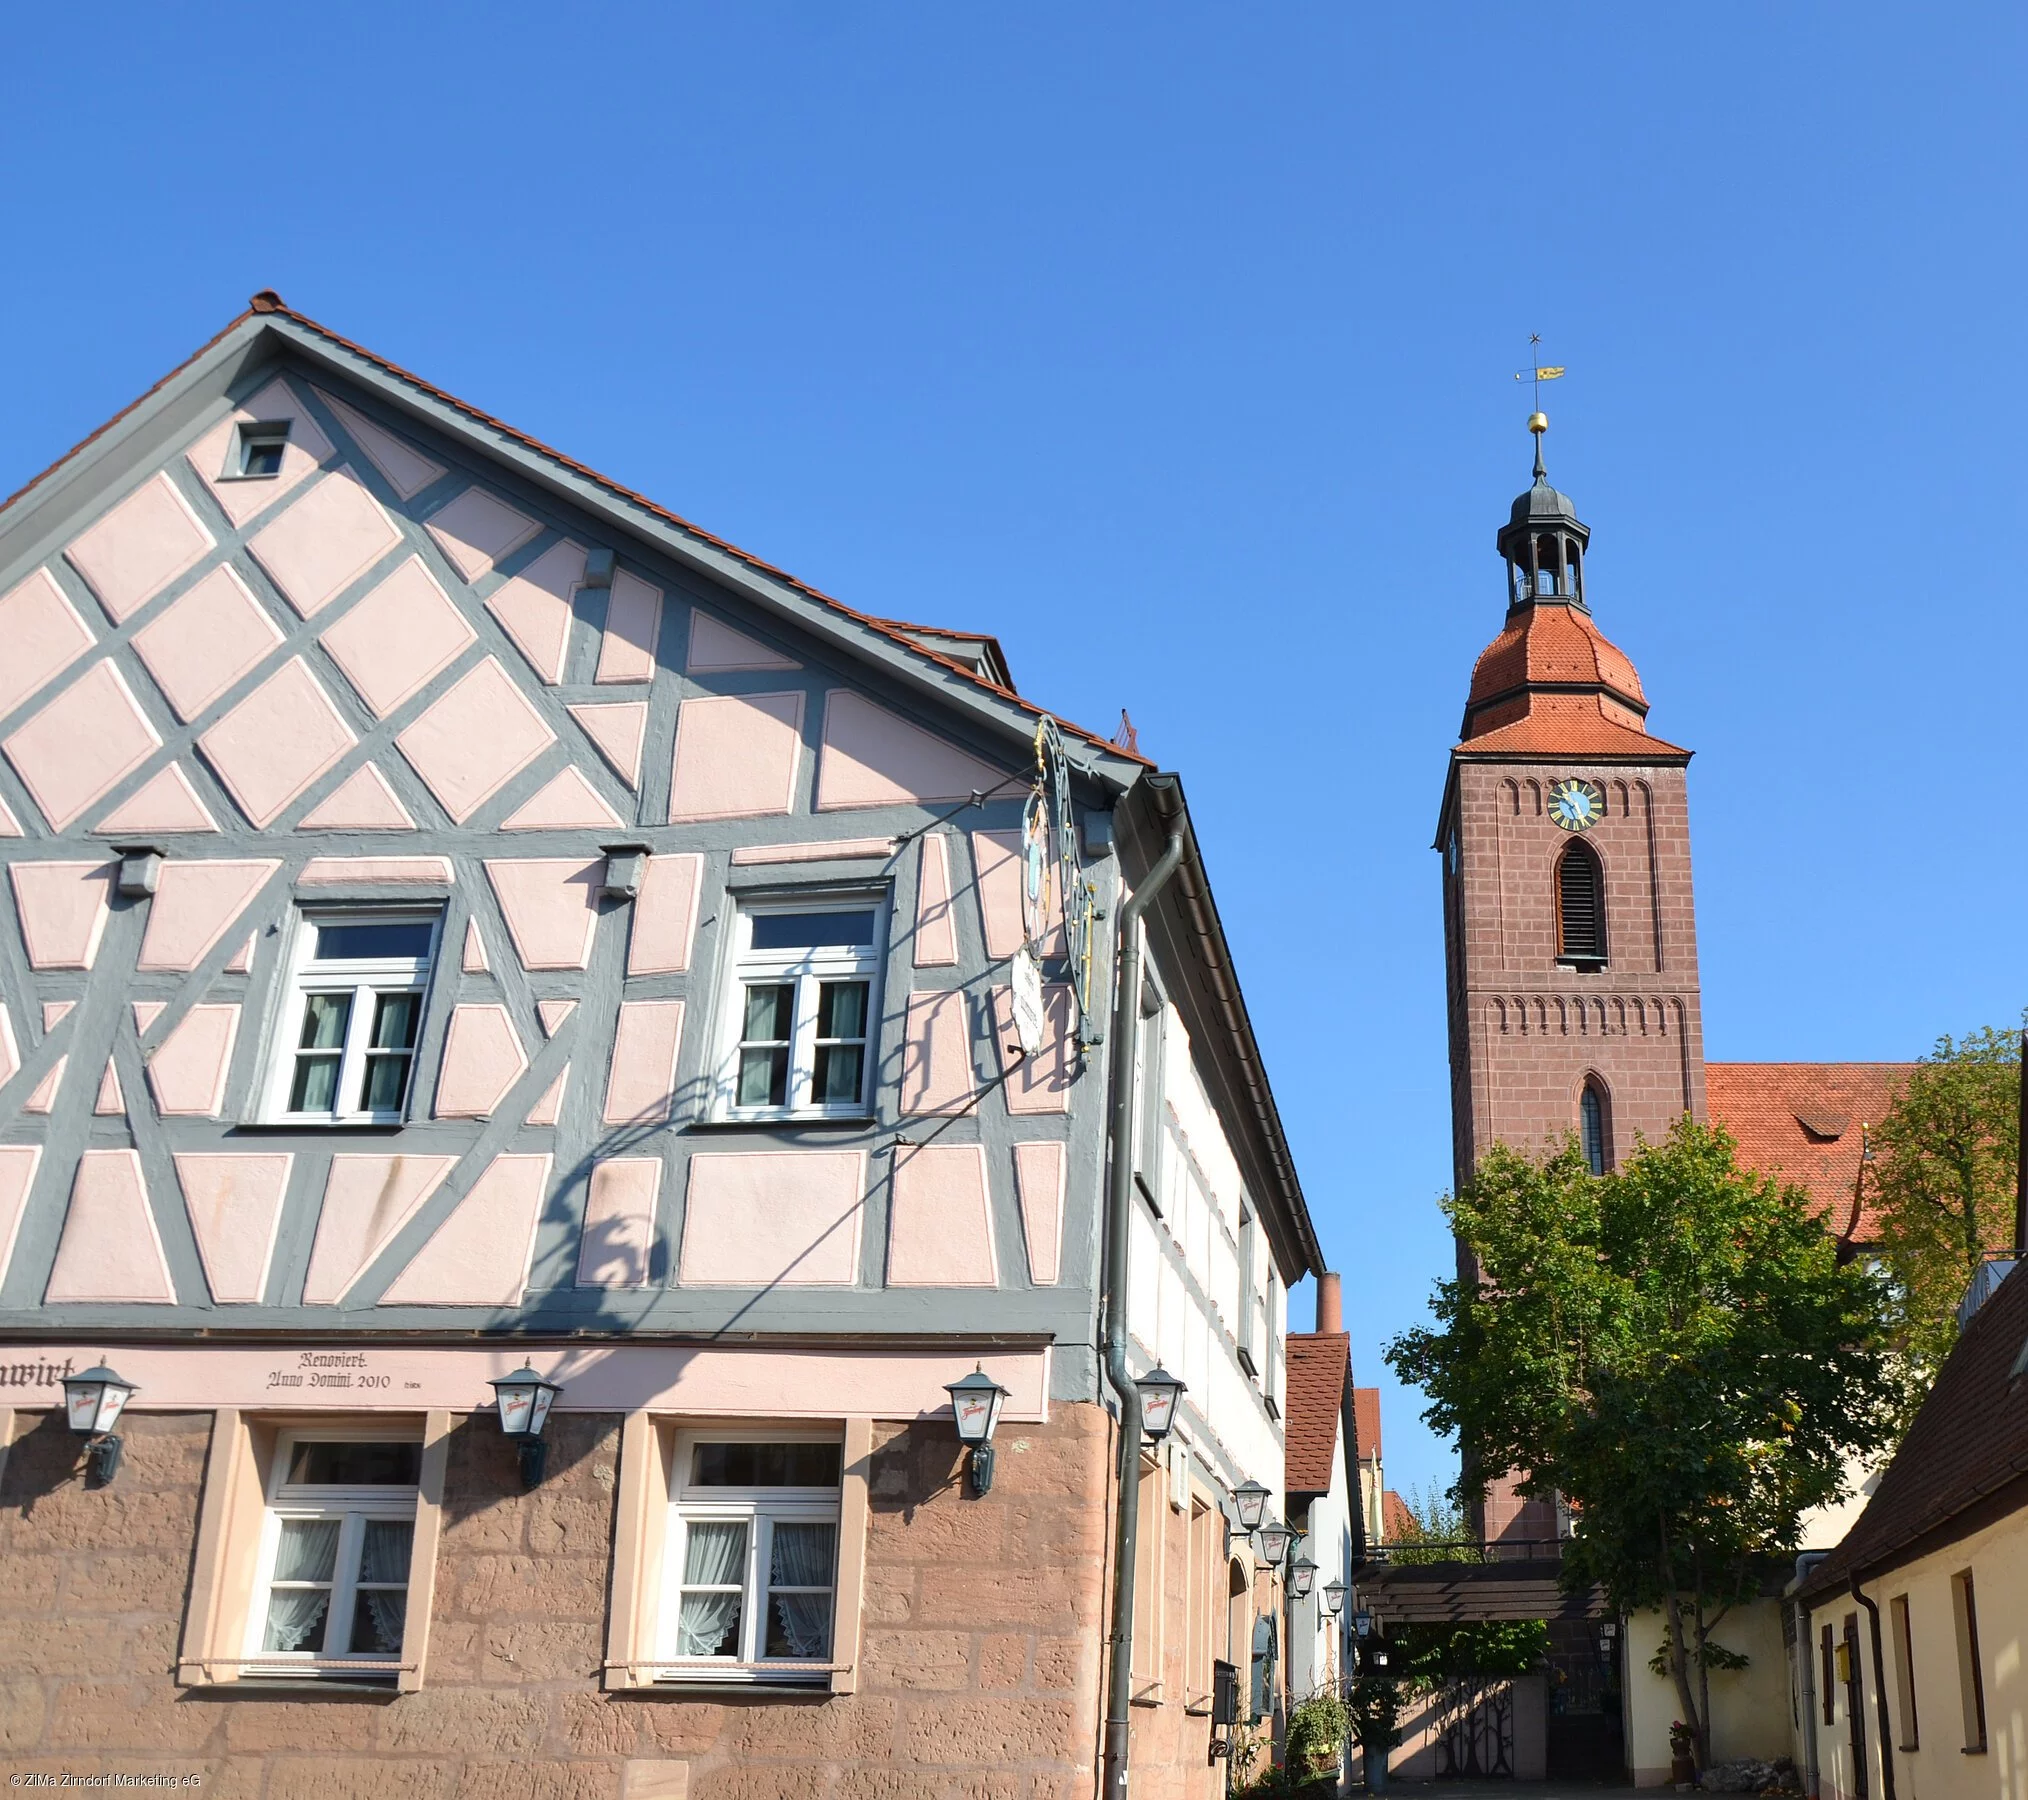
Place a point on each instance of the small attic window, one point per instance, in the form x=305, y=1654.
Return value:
x=258, y=450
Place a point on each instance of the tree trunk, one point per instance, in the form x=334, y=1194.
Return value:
x=1679, y=1657
x=1703, y=1721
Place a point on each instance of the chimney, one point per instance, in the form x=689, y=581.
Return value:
x=1330, y=1304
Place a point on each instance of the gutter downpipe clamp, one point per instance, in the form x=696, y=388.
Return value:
x=1119, y=1218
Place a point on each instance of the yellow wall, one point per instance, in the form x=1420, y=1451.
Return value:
x=1938, y=1768
x=1749, y=1707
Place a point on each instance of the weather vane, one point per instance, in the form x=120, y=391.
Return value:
x=1535, y=372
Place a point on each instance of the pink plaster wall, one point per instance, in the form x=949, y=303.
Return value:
x=1039, y=1172
x=552, y=1013
x=474, y=961
x=188, y=1069
x=10, y=1054
x=937, y=1073
x=276, y=741
x=111, y=1103
x=395, y=871
x=940, y=1221
x=619, y=730
x=407, y=470
x=534, y=607
x=211, y=458
x=363, y=801
x=204, y=641
x=43, y=1099
x=936, y=926
x=63, y=908
x=754, y=1218
x=641, y=1088
x=633, y=623
x=475, y=739
x=139, y=547
x=402, y=635
x=479, y=1255
x=478, y=530
x=715, y=647
x=111, y=1249
x=91, y=737
x=997, y=857
x=736, y=756
x=565, y=802
x=665, y=916
x=165, y=802
x=483, y=1058
x=872, y=757
x=196, y=903
x=324, y=542
x=619, y=1223
x=551, y=908
x=18, y=1163
x=44, y=635
x=1040, y=1083
x=235, y=1207
x=545, y=1110
x=367, y=1199
x=827, y=850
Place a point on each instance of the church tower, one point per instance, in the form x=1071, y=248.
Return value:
x=1569, y=931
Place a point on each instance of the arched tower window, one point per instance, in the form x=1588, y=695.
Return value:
x=1594, y=1117
x=1580, y=906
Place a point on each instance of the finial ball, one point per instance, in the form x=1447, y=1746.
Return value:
x=1538, y=423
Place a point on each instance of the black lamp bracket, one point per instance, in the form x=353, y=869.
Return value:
x=534, y=1459
x=980, y=1467
x=102, y=1460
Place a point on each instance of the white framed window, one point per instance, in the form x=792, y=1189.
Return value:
x=344, y=1051
x=257, y=451
x=751, y=1569
x=336, y=1547
x=799, y=1010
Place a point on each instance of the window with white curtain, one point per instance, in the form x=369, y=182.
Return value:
x=335, y=1552
x=752, y=1563
x=800, y=1011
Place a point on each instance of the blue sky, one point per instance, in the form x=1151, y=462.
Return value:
x=1174, y=346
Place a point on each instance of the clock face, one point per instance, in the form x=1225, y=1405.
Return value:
x=1576, y=805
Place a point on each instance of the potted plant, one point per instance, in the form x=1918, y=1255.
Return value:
x=1682, y=1754
x=1373, y=1704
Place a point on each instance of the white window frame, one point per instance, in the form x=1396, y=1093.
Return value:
x=807, y=970
x=760, y=1509
x=250, y=435
x=353, y=1506
x=365, y=979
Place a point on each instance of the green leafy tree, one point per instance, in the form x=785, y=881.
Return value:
x=1674, y=1347
x=1435, y=1530
x=1942, y=1183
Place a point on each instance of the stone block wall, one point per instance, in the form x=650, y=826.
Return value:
x=978, y=1677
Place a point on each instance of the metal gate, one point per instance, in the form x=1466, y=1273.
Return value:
x=1475, y=1726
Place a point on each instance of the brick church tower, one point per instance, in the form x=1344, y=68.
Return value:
x=1570, y=937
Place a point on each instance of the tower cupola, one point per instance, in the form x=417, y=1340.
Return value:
x=1543, y=540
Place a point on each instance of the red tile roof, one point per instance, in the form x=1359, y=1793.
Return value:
x=1397, y=1524
x=1964, y=1462
x=1803, y=1122
x=1319, y=1371
x=1553, y=684
x=1366, y=1416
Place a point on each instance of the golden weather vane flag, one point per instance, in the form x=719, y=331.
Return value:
x=1538, y=372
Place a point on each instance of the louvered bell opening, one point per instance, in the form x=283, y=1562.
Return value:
x=1580, y=907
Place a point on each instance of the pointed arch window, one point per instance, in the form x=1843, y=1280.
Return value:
x=1595, y=1125
x=1580, y=907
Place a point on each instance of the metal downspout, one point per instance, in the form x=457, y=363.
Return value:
x=1806, y=1653
x=1879, y=1693
x=1119, y=1218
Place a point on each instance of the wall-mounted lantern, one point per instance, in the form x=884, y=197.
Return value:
x=1274, y=1538
x=1250, y=1500
x=1362, y=1623
x=1159, y=1391
x=524, y=1399
x=1334, y=1597
x=1301, y=1574
x=976, y=1401
x=94, y=1401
